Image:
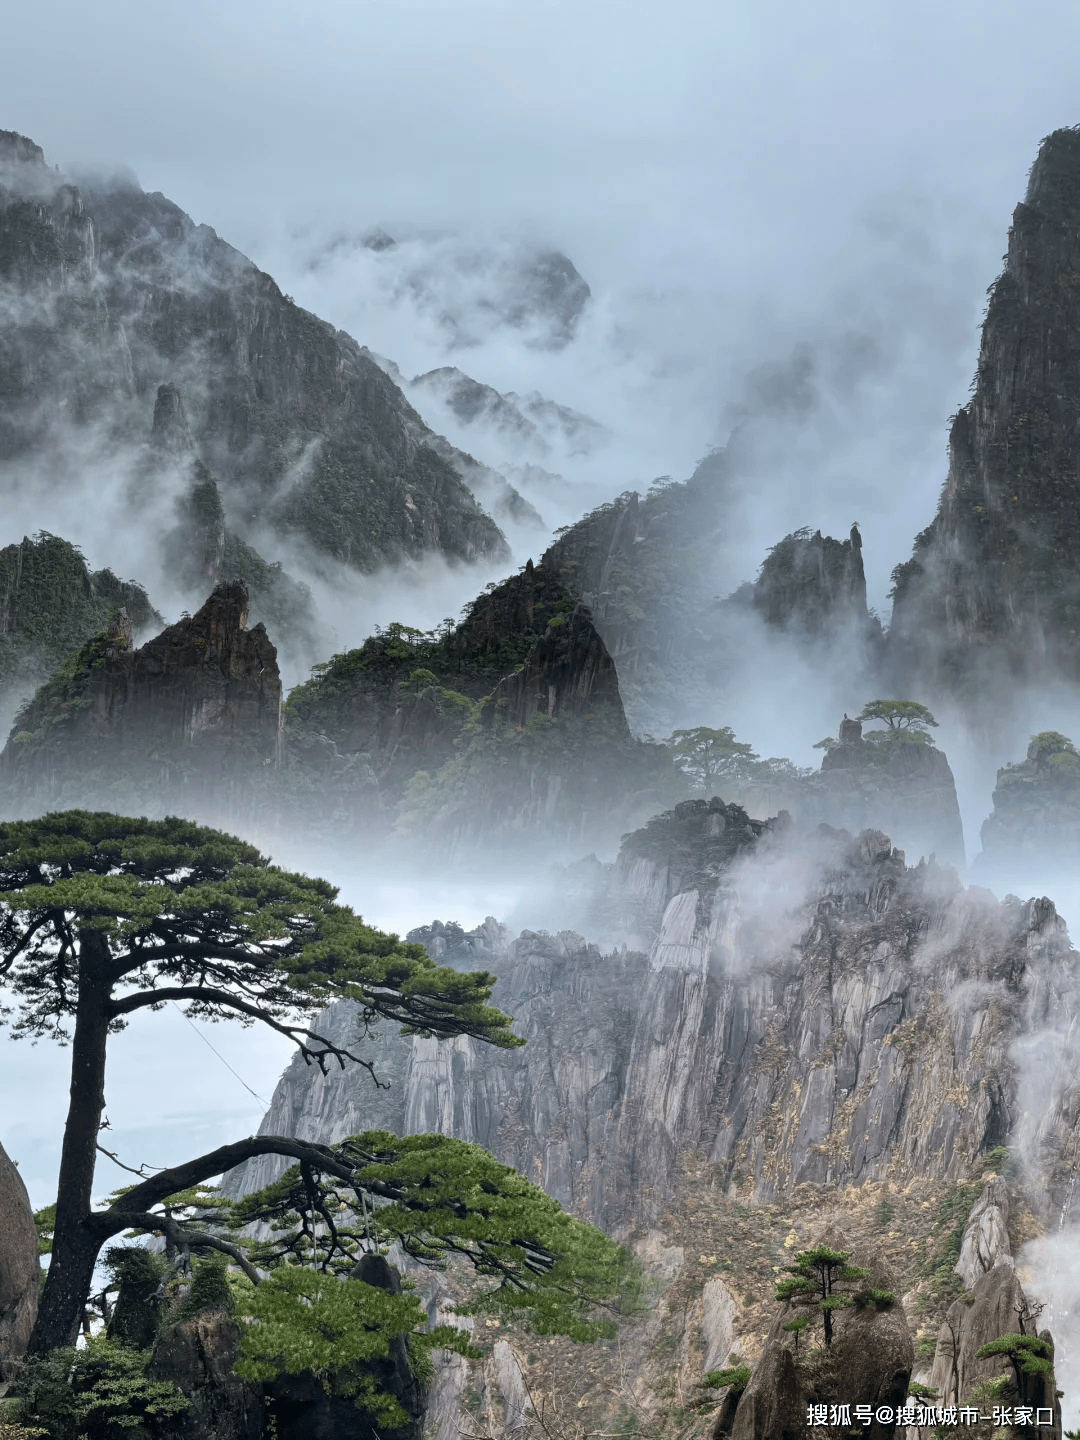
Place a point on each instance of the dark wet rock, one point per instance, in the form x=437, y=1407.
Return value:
x=300, y=1408
x=813, y=587
x=197, y=1356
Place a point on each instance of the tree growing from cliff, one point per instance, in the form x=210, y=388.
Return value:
x=102, y=917
x=904, y=719
x=441, y=1201
x=821, y=1279
x=1029, y=1357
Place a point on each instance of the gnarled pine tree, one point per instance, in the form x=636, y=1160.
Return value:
x=102, y=917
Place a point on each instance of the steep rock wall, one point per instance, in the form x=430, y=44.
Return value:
x=867, y=1032
x=993, y=588
x=191, y=719
x=20, y=1268
x=112, y=292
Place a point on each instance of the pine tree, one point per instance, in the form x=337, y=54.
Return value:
x=102, y=917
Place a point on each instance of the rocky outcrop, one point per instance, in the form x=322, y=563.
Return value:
x=985, y=1242
x=1036, y=805
x=20, y=1268
x=645, y=567
x=868, y=1363
x=197, y=1356
x=813, y=587
x=189, y=720
x=300, y=1406
x=116, y=293
x=202, y=549
x=905, y=789
x=50, y=605
x=992, y=592
x=828, y=1017
x=996, y=1306
x=508, y=726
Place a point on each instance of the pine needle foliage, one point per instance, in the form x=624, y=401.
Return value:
x=815, y=1279
x=102, y=916
x=444, y=1200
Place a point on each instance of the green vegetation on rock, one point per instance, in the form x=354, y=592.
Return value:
x=51, y=604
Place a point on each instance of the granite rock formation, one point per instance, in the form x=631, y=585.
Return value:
x=509, y=723
x=995, y=1306
x=20, y=1268
x=905, y=789
x=189, y=721
x=298, y=1406
x=1036, y=804
x=992, y=592
x=197, y=1356
x=114, y=292
x=644, y=565
x=868, y=1363
x=813, y=587
x=818, y=1046
x=791, y=1030
x=202, y=549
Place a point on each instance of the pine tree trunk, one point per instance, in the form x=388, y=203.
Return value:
x=76, y=1239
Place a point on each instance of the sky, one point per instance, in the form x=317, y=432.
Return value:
x=788, y=214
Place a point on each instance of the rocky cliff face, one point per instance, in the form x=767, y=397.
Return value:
x=823, y=1046
x=111, y=293
x=796, y=1038
x=993, y=588
x=652, y=571
x=511, y=722
x=645, y=568
x=814, y=588
x=1036, y=805
x=188, y=721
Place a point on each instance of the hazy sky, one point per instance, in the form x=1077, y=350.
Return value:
x=788, y=211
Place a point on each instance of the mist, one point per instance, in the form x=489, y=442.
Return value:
x=787, y=220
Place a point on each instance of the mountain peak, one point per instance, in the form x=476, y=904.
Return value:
x=16, y=149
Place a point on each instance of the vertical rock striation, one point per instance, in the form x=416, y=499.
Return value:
x=111, y=293
x=826, y=1018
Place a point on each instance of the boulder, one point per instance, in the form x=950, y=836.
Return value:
x=985, y=1243
x=301, y=1409
x=197, y=1355
x=20, y=1268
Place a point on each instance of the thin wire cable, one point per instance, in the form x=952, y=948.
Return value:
x=219, y=1055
